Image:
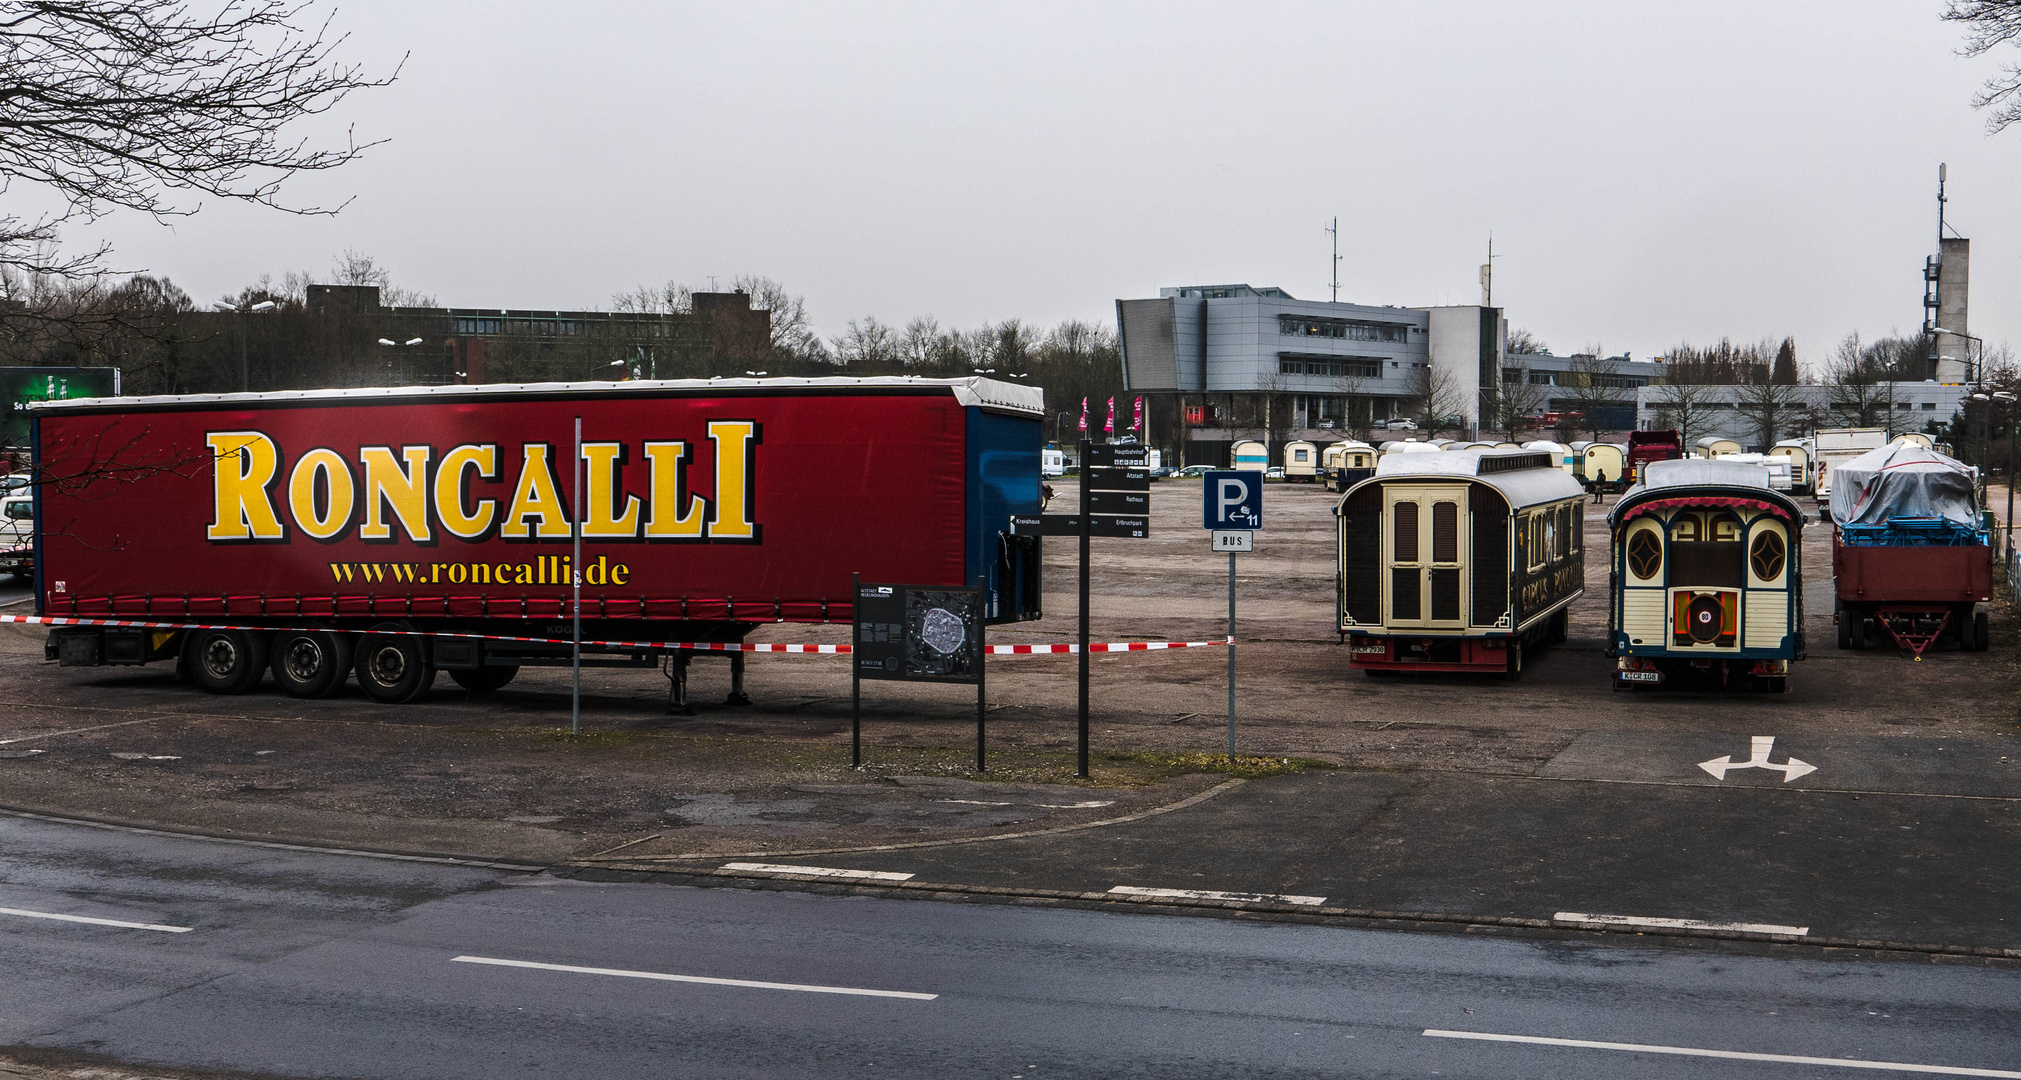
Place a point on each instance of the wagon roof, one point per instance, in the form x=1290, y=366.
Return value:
x=989, y=394
x=1502, y=470
x=1714, y=480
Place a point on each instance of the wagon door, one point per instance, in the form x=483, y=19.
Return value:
x=1426, y=535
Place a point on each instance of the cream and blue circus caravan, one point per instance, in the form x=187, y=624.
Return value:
x=1707, y=577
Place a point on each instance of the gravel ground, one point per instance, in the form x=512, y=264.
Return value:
x=497, y=774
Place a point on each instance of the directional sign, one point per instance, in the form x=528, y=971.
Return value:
x=1120, y=502
x=1790, y=769
x=1112, y=455
x=1136, y=528
x=1233, y=499
x=1116, y=479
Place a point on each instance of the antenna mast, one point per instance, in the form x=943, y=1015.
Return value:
x=1488, y=275
x=1333, y=230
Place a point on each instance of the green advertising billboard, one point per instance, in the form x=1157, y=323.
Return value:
x=22, y=385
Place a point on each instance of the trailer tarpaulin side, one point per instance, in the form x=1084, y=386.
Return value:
x=747, y=503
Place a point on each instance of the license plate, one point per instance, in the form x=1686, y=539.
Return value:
x=1370, y=650
x=1641, y=676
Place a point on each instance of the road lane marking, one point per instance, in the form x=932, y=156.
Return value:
x=26, y=914
x=1761, y=745
x=74, y=731
x=815, y=871
x=806, y=988
x=1680, y=924
x=1735, y=1055
x=1206, y=894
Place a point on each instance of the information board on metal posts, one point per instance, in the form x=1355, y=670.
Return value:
x=1231, y=507
x=1115, y=483
x=915, y=633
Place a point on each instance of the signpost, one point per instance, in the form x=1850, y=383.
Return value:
x=1115, y=483
x=915, y=633
x=1231, y=507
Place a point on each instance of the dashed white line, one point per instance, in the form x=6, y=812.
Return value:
x=816, y=871
x=121, y=923
x=1680, y=924
x=750, y=984
x=1208, y=894
x=1734, y=1055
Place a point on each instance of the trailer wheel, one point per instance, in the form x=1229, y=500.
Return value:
x=484, y=679
x=391, y=667
x=1561, y=627
x=225, y=661
x=1857, y=633
x=1845, y=620
x=311, y=663
x=1979, y=629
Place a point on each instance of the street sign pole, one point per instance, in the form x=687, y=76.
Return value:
x=1086, y=525
x=1231, y=656
x=981, y=674
x=855, y=679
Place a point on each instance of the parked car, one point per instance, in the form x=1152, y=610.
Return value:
x=1275, y=472
x=15, y=482
x=17, y=535
x=1400, y=423
x=1195, y=472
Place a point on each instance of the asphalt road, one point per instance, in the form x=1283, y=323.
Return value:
x=1884, y=839
x=301, y=964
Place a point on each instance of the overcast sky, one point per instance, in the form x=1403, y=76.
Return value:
x=1651, y=172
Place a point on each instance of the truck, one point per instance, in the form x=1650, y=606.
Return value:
x=1911, y=556
x=1654, y=444
x=391, y=533
x=17, y=533
x=1834, y=446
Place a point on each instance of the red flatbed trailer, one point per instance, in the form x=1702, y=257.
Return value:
x=1916, y=593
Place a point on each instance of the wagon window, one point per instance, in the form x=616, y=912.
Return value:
x=1406, y=535
x=1445, y=532
x=1684, y=527
x=1645, y=554
x=1716, y=561
x=1766, y=555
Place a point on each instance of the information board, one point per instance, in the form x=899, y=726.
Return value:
x=918, y=633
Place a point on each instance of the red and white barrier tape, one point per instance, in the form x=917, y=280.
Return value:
x=695, y=646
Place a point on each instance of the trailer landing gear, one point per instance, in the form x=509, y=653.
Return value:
x=676, y=670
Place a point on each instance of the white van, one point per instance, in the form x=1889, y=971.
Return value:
x=17, y=534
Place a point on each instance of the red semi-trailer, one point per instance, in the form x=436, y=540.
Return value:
x=395, y=532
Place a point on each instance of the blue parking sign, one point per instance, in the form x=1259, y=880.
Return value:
x=1233, y=499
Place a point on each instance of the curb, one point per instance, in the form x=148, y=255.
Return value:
x=1371, y=918
x=119, y=825
x=1194, y=799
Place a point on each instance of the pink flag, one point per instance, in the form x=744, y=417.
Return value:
x=1084, y=415
x=1139, y=424
x=1110, y=425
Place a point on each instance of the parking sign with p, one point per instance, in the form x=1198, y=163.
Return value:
x=1233, y=499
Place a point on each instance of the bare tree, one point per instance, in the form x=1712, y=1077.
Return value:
x=868, y=345
x=1989, y=24
x=1773, y=406
x=1685, y=406
x=1858, y=377
x=1435, y=397
x=1511, y=404
x=793, y=333
x=143, y=105
x=1522, y=342
x=1594, y=386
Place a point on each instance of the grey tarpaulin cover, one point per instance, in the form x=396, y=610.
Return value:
x=1902, y=480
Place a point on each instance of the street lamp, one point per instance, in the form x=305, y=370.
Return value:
x=2007, y=523
x=984, y=370
x=245, y=372
x=757, y=374
x=1979, y=376
x=391, y=344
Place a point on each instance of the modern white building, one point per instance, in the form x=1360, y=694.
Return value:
x=1221, y=362
x=1725, y=412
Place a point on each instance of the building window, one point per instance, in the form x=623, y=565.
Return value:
x=1346, y=367
x=1930, y=406
x=1343, y=329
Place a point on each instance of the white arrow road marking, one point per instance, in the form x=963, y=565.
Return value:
x=1678, y=924
x=95, y=922
x=806, y=988
x=1204, y=894
x=1790, y=769
x=1733, y=1055
x=815, y=871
